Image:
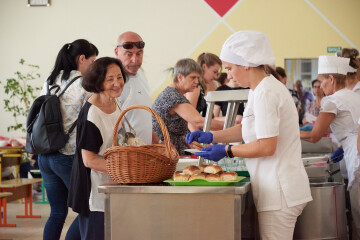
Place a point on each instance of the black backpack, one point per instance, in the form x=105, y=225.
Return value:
x=44, y=124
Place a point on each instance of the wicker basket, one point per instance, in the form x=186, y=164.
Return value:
x=141, y=164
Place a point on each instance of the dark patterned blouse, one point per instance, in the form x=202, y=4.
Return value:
x=201, y=104
x=175, y=124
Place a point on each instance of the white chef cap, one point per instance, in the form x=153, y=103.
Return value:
x=248, y=48
x=333, y=64
x=350, y=68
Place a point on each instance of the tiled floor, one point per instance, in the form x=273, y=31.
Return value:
x=30, y=228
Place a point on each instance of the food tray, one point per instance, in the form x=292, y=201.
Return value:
x=243, y=173
x=202, y=182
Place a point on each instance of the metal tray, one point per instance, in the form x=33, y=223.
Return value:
x=202, y=182
x=312, y=159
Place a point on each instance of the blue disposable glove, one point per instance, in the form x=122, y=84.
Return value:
x=214, y=152
x=307, y=128
x=338, y=155
x=199, y=136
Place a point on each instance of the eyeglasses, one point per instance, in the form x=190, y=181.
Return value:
x=130, y=45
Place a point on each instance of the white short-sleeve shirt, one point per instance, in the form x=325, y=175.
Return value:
x=270, y=112
x=105, y=124
x=136, y=91
x=345, y=105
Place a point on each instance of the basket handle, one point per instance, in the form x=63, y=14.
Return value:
x=118, y=105
x=163, y=127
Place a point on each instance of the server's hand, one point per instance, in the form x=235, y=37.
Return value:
x=214, y=152
x=338, y=155
x=199, y=136
x=307, y=128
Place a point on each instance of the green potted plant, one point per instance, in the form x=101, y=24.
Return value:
x=20, y=93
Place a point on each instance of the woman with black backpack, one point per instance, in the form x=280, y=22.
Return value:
x=72, y=62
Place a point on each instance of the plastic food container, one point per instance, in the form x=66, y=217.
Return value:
x=202, y=182
x=3, y=143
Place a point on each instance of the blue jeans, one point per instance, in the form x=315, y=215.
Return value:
x=56, y=170
x=92, y=227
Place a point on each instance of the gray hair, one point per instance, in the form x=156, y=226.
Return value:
x=186, y=66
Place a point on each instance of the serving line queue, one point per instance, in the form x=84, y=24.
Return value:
x=279, y=183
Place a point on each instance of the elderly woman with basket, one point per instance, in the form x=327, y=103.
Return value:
x=96, y=121
x=175, y=109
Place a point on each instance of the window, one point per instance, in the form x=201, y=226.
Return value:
x=301, y=69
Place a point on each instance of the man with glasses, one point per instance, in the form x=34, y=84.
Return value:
x=130, y=50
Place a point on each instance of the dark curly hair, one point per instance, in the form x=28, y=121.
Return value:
x=95, y=75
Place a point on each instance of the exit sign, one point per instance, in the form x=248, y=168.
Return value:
x=333, y=49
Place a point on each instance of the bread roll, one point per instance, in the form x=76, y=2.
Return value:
x=229, y=176
x=191, y=170
x=213, y=178
x=202, y=166
x=181, y=177
x=197, y=145
x=214, y=169
x=198, y=176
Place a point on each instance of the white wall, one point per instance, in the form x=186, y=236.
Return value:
x=172, y=29
x=169, y=27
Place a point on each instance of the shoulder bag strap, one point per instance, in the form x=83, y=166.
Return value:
x=68, y=85
x=49, y=89
x=62, y=92
x=72, y=127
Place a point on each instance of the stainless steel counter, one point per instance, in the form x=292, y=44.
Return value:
x=236, y=188
x=314, y=158
x=320, y=169
x=161, y=211
x=315, y=172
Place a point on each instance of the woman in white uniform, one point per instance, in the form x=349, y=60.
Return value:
x=358, y=140
x=340, y=110
x=272, y=148
x=351, y=82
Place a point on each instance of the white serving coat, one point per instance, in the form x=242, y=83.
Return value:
x=345, y=104
x=271, y=112
x=357, y=88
